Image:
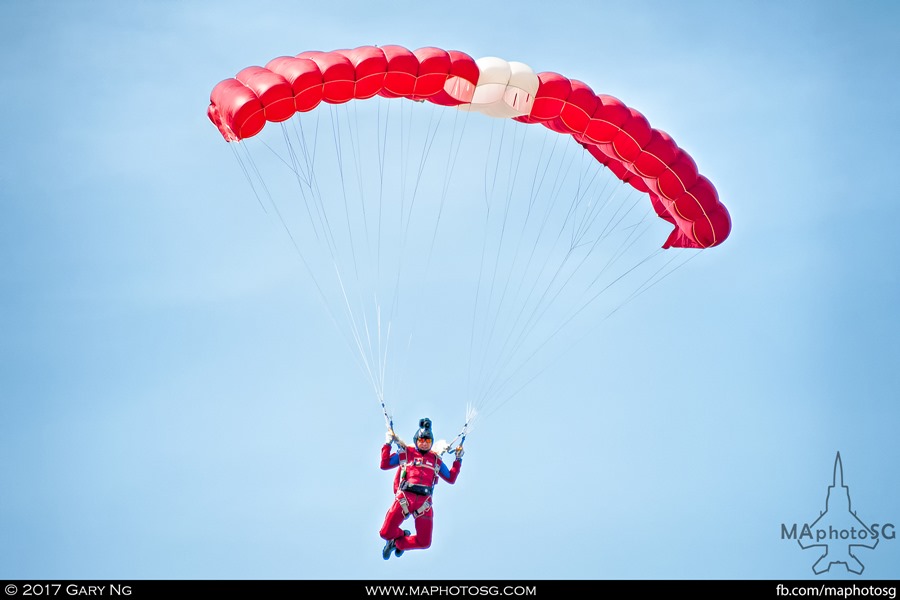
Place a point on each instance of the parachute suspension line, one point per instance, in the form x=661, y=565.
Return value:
x=515, y=160
x=578, y=235
x=308, y=153
x=582, y=215
x=522, y=231
x=536, y=184
x=378, y=350
x=609, y=285
x=535, y=317
x=491, y=321
x=357, y=162
x=571, y=345
x=382, y=136
x=374, y=355
x=287, y=230
x=383, y=342
x=496, y=406
x=471, y=413
x=382, y=339
x=546, y=341
x=383, y=352
x=410, y=192
x=582, y=225
x=430, y=133
x=251, y=167
x=614, y=223
x=496, y=168
x=246, y=172
x=429, y=136
x=597, y=210
x=405, y=140
x=502, y=357
x=372, y=339
x=272, y=201
x=590, y=330
x=404, y=157
x=452, y=156
x=382, y=161
x=483, y=260
x=395, y=295
x=629, y=241
x=359, y=325
x=367, y=363
x=615, y=255
x=647, y=284
x=354, y=326
x=381, y=152
x=339, y=153
x=303, y=179
x=624, y=245
x=592, y=247
x=367, y=330
x=478, y=280
x=407, y=210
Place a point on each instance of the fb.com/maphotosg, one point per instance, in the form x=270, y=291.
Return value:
x=839, y=591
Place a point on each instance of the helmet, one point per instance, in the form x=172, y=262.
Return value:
x=424, y=430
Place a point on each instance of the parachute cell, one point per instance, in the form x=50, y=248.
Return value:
x=616, y=135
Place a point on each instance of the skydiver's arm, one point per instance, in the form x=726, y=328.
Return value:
x=388, y=460
x=450, y=475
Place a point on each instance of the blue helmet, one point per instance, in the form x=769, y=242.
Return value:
x=424, y=430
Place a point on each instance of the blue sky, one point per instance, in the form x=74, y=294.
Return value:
x=176, y=403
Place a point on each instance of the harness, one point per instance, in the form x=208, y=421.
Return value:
x=414, y=488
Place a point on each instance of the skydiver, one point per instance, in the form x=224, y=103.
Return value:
x=418, y=469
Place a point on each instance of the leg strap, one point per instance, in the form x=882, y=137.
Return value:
x=404, y=505
x=422, y=509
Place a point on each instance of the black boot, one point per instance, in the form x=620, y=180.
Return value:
x=397, y=551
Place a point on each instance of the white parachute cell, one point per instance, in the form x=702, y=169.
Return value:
x=504, y=90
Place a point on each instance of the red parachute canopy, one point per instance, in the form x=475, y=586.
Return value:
x=616, y=135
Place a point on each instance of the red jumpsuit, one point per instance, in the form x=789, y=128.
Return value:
x=422, y=471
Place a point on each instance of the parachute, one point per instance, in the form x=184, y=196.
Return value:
x=614, y=135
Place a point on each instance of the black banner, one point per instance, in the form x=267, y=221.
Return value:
x=451, y=589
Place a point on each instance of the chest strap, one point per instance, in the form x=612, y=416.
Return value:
x=404, y=461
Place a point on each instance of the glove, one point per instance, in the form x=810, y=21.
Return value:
x=459, y=452
x=390, y=436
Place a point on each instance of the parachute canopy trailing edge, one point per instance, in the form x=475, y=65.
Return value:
x=616, y=135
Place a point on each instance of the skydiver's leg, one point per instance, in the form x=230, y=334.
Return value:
x=391, y=528
x=422, y=537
